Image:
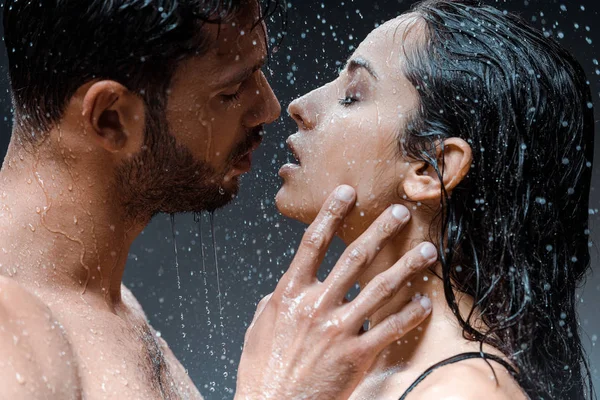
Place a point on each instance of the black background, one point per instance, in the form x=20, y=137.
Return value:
x=254, y=243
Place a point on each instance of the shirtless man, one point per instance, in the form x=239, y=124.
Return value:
x=124, y=109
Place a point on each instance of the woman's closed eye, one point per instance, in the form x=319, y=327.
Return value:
x=349, y=100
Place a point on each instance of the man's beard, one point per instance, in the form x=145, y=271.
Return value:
x=165, y=177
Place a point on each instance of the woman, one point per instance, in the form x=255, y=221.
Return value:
x=483, y=128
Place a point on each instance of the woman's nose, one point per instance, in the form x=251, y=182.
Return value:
x=299, y=110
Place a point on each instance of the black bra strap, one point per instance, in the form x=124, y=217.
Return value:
x=455, y=359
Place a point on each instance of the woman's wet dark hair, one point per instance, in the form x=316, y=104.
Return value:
x=515, y=232
x=55, y=46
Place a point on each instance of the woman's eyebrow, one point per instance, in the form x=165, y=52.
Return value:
x=359, y=62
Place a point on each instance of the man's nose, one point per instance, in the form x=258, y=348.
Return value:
x=267, y=108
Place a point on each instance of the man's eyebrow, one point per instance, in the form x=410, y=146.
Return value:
x=359, y=62
x=242, y=75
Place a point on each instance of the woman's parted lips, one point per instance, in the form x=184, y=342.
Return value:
x=290, y=144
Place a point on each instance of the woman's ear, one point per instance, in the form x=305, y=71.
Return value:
x=422, y=183
x=114, y=116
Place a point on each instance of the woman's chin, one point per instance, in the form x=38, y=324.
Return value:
x=292, y=206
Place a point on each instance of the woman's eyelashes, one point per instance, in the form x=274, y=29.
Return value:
x=349, y=99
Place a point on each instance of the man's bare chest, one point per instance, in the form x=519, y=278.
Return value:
x=120, y=358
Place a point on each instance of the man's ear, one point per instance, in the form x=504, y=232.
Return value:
x=422, y=183
x=114, y=116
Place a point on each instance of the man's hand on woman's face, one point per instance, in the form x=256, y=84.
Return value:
x=305, y=341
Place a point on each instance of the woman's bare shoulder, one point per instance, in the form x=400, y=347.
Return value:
x=469, y=380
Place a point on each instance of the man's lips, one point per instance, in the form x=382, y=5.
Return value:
x=255, y=145
x=243, y=163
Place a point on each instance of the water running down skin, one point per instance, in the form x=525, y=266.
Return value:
x=78, y=332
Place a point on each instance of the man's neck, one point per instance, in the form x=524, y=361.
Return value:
x=63, y=229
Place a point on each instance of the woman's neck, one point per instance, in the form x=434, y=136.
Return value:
x=440, y=336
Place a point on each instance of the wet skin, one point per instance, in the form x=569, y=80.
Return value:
x=348, y=133
x=71, y=205
x=67, y=224
x=77, y=332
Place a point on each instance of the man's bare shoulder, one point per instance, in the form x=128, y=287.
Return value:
x=469, y=380
x=131, y=302
x=37, y=360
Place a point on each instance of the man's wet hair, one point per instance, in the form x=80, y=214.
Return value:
x=56, y=46
x=514, y=233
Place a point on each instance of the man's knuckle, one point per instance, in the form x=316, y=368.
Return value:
x=383, y=288
x=306, y=312
x=336, y=209
x=358, y=353
x=285, y=281
x=396, y=325
x=333, y=328
x=278, y=296
x=263, y=302
x=357, y=255
x=287, y=276
x=287, y=287
x=414, y=315
x=314, y=240
x=386, y=229
x=413, y=264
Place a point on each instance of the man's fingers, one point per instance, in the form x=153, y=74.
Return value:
x=386, y=285
x=363, y=251
x=394, y=327
x=319, y=234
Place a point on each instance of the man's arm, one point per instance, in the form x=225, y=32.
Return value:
x=36, y=359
